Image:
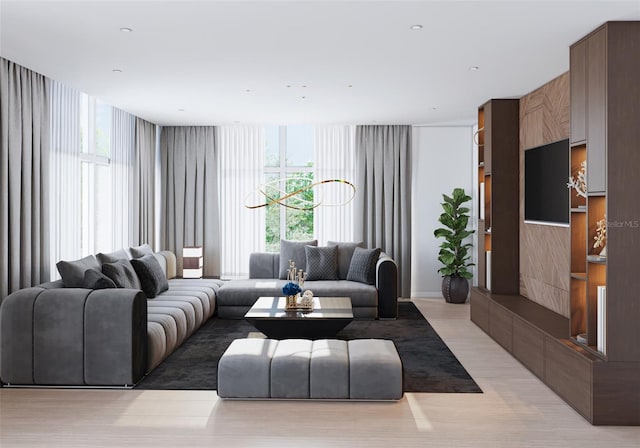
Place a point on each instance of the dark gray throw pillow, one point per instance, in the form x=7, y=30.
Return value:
x=152, y=277
x=122, y=274
x=322, y=262
x=141, y=251
x=345, y=252
x=112, y=256
x=94, y=279
x=72, y=272
x=363, y=265
x=293, y=250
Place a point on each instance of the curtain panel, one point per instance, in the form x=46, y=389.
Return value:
x=241, y=151
x=65, y=175
x=189, y=193
x=144, y=181
x=334, y=159
x=383, y=198
x=24, y=178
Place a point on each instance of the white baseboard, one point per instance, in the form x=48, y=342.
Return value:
x=426, y=294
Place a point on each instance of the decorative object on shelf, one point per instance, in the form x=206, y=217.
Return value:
x=192, y=262
x=582, y=338
x=454, y=252
x=601, y=236
x=602, y=319
x=272, y=192
x=481, y=200
x=476, y=136
x=579, y=184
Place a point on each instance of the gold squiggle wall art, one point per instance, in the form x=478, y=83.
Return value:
x=283, y=196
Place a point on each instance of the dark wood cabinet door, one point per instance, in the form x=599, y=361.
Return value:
x=578, y=75
x=596, y=111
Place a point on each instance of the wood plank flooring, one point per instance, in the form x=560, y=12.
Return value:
x=515, y=410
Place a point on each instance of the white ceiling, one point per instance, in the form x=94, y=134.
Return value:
x=231, y=62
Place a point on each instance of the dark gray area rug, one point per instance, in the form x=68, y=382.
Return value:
x=429, y=365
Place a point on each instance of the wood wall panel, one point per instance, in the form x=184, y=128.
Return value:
x=544, y=250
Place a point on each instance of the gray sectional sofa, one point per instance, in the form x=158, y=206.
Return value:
x=60, y=336
x=379, y=300
x=56, y=335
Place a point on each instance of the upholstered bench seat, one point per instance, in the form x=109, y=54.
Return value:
x=365, y=369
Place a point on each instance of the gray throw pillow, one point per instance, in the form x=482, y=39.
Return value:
x=94, y=279
x=122, y=274
x=141, y=251
x=293, y=250
x=72, y=272
x=152, y=277
x=363, y=265
x=112, y=256
x=345, y=252
x=322, y=262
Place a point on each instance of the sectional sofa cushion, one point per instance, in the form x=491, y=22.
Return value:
x=72, y=272
x=363, y=265
x=112, y=256
x=152, y=278
x=345, y=253
x=293, y=250
x=141, y=251
x=322, y=262
x=122, y=274
x=94, y=279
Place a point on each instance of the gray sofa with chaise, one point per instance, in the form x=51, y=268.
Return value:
x=377, y=298
x=74, y=336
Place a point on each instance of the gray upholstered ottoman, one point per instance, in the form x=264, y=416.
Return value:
x=365, y=369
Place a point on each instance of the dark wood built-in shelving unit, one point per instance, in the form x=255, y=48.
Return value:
x=598, y=376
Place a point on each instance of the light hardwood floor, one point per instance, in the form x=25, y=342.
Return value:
x=515, y=410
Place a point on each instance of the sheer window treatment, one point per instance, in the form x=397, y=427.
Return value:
x=383, y=200
x=64, y=194
x=334, y=159
x=123, y=160
x=24, y=178
x=241, y=151
x=189, y=178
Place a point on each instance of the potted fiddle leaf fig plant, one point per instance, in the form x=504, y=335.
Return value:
x=454, y=250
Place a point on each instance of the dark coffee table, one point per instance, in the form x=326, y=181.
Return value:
x=329, y=316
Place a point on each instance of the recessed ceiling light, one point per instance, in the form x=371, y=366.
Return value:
x=180, y=110
x=303, y=97
x=248, y=90
x=474, y=68
x=434, y=108
x=116, y=70
x=303, y=86
x=288, y=86
x=126, y=30
x=415, y=27
x=350, y=85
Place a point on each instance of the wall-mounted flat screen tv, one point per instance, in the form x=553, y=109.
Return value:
x=546, y=172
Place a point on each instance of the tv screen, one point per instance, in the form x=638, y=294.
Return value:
x=546, y=173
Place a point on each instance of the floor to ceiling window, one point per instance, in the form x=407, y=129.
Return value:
x=96, y=186
x=288, y=168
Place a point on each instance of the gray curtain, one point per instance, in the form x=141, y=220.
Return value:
x=382, y=214
x=24, y=178
x=190, y=214
x=144, y=184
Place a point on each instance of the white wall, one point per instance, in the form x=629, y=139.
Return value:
x=443, y=158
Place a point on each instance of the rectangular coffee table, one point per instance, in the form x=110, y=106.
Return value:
x=329, y=316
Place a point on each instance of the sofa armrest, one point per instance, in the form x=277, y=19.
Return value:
x=73, y=337
x=387, y=285
x=264, y=265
